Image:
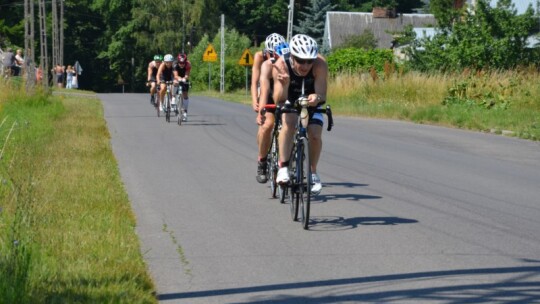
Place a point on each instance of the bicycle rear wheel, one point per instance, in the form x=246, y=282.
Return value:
x=292, y=186
x=272, y=165
x=304, y=181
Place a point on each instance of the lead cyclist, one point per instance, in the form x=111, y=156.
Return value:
x=305, y=71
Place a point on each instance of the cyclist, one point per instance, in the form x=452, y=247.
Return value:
x=265, y=126
x=153, y=67
x=165, y=73
x=304, y=70
x=181, y=74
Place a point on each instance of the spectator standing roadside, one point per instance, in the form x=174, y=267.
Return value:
x=70, y=72
x=19, y=63
x=39, y=74
x=58, y=71
x=9, y=63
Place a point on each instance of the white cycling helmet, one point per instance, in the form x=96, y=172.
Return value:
x=168, y=58
x=272, y=41
x=304, y=47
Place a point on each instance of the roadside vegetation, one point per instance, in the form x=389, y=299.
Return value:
x=496, y=102
x=66, y=225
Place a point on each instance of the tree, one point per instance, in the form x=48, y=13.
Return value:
x=488, y=38
x=445, y=13
x=257, y=18
x=314, y=18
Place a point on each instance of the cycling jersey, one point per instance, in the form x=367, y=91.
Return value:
x=167, y=73
x=295, y=90
x=183, y=71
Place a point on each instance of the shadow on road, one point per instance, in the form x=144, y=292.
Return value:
x=519, y=285
x=338, y=223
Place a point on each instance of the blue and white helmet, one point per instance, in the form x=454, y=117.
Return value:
x=282, y=49
x=272, y=41
x=168, y=58
x=304, y=47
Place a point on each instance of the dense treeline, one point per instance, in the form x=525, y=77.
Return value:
x=104, y=35
x=114, y=39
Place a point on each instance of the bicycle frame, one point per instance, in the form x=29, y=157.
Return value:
x=168, y=98
x=300, y=183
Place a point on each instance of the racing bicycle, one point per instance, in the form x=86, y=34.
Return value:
x=298, y=189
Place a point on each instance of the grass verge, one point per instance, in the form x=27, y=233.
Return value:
x=66, y=225
x=497, y=102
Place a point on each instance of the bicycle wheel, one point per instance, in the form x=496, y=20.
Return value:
x=158, y=108
x=180, y=108
x=304, y=181
x=292, y=186
x=272, y=165
x=168, y=107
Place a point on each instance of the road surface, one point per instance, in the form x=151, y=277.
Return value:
x=408, y=213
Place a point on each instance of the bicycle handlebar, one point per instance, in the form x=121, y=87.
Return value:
x=289, y=109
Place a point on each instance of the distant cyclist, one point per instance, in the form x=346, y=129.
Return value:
x=165, y=73
x=181, y=74
x=153, y=67
x=264, y=132
x=304, y=70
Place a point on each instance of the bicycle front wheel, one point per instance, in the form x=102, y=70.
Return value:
x=180, y=108
x=304, y=181
x=158, y=107
x=272, y=165
x=168, y=107
x=292, y=187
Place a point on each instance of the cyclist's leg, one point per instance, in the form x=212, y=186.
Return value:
x=162, y=92
x=185, y=89
x=315, y=147
x=285, y=144
x=264, y=141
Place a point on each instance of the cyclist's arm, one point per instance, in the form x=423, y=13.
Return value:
x=149, y=77
x=159, y=73
x=280, y=74
x=188, y=70
x=255, y=76
x=264, y=79
x=320, y=72
x=176, y=75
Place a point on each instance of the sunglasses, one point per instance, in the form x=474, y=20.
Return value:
x=303, y=61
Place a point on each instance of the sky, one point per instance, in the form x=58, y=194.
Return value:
x=521, y=5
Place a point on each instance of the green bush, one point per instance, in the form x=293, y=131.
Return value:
x=234, y=73
x=358, y=60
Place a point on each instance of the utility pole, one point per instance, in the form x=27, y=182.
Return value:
x=55, y=60
x=183, y=27
x=29, y=65
x=43, y=44
x=290, y=20
x=222, y=57
x=61, y=28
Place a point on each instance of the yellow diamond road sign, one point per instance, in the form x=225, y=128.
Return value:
x=246, y=59
x=209, y=54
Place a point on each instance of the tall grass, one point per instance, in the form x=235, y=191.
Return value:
x=485, y=101
x=66, y=227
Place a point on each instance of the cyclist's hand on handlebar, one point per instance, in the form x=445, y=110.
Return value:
x=313, y=100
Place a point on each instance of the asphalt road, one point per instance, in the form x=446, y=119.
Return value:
x=408, y=213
